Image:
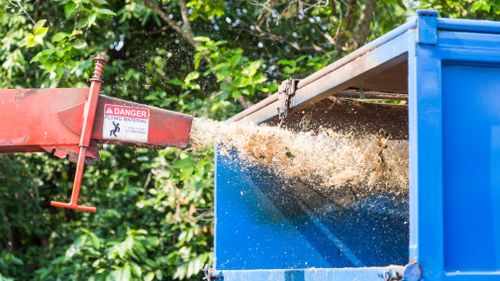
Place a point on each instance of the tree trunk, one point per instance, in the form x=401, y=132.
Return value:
x=365, y=18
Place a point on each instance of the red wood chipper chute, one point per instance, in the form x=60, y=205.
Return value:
x=69, y=122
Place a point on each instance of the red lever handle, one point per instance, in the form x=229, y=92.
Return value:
x=73, y=204
x=88, y=123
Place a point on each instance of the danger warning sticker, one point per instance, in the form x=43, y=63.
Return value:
x=125, y=123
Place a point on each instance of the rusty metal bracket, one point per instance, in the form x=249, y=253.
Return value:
x=391, y=275
x=212, y=275
x=286, y=91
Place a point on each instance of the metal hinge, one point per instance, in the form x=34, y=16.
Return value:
x=412, y=272
x=286, y=91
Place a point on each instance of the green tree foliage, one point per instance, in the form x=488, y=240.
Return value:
x=207, y=58
x=471, y=9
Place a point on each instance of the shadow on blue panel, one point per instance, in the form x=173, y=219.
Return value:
x=264, y=222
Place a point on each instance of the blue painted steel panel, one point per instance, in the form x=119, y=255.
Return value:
x=426, y=159
x=475, y=26
x=471, y=166
x=444, y=110
x=314, y=274
x=427, y=27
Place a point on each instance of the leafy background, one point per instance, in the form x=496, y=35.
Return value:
x=209, y=58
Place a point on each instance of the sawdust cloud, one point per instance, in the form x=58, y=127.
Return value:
x=325, y=159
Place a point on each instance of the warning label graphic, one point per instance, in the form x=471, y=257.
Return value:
x=125, y=123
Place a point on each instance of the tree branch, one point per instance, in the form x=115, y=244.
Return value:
x=157, y=9
x=150, y=32
x=186, y=25
x=349, y=14
x=23, y=10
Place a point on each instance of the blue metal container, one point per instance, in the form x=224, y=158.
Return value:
x=449, y=229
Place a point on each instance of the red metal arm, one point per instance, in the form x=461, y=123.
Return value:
x=70, y=122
